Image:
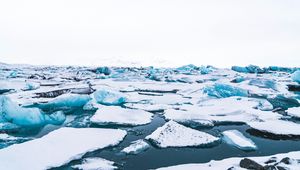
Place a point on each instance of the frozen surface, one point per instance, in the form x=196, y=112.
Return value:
x=95, y=164
x=57, y=148
x=120, y=116
x=237, y=139
x=173, y=134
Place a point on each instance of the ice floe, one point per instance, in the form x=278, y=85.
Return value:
x=107, y=115
x=172, y=134
x=277, y=127
x=58, y=148
x=237, y=139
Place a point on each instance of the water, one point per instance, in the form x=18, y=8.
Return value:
x=156, y=157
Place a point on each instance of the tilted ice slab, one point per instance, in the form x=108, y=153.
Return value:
x=136, y=147
x=172, y=134
x=234, y=163
x=277, y=127
x=294, y=111
x=237, y=139
x=232, y=109
x=95, y=164
x=66, y=101
x=58, y=148
x=120, y=116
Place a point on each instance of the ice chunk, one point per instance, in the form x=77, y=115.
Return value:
x=95, y=164
x=224, y=90
x=11, y=112
x=66, y=101
x=103, y=70
x=236, y=138
x=249, y=69
x=120, y=116
x=56, y=118
x=31, y=86
x=277, y=127
x=58, y=148
x=263, y=83
x=294, y=111
x=4, y=136
x=296, y=76
x=172, y=134
x=109, y=97
x=136, y=147
x=18, y=115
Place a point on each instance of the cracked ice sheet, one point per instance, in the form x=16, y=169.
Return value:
x=234, y=162
x=58, y=148
x=120, y=116
x=232, y=109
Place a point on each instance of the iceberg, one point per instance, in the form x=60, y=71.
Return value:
x=136, y=147
x=11, y=112
x=249, y=69
x=237, y=139
x=58, y=148
x=172, y=134
x=296, y=76
x=109, y=97
x=120, y=116
x=224, y=90
x=95, y=164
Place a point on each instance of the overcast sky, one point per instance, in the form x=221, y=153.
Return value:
x=153, y=32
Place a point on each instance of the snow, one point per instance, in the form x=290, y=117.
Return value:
x=237, y=139
x=136, y=147
x=224, y=90
x=234, y=163
x=95, y=164
x=121, y=116
x=172, y=134
x=277, y=127
x=294, y=111
x=109, y=97
x=296, y=76
x=58, y=148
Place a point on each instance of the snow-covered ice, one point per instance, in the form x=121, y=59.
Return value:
x=58, y=148
x=120, y=116
x=109, y=97
x=172, y=134
x=237, y=139
x=277, y=127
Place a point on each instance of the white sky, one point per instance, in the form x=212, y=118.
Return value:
x=150, y=32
